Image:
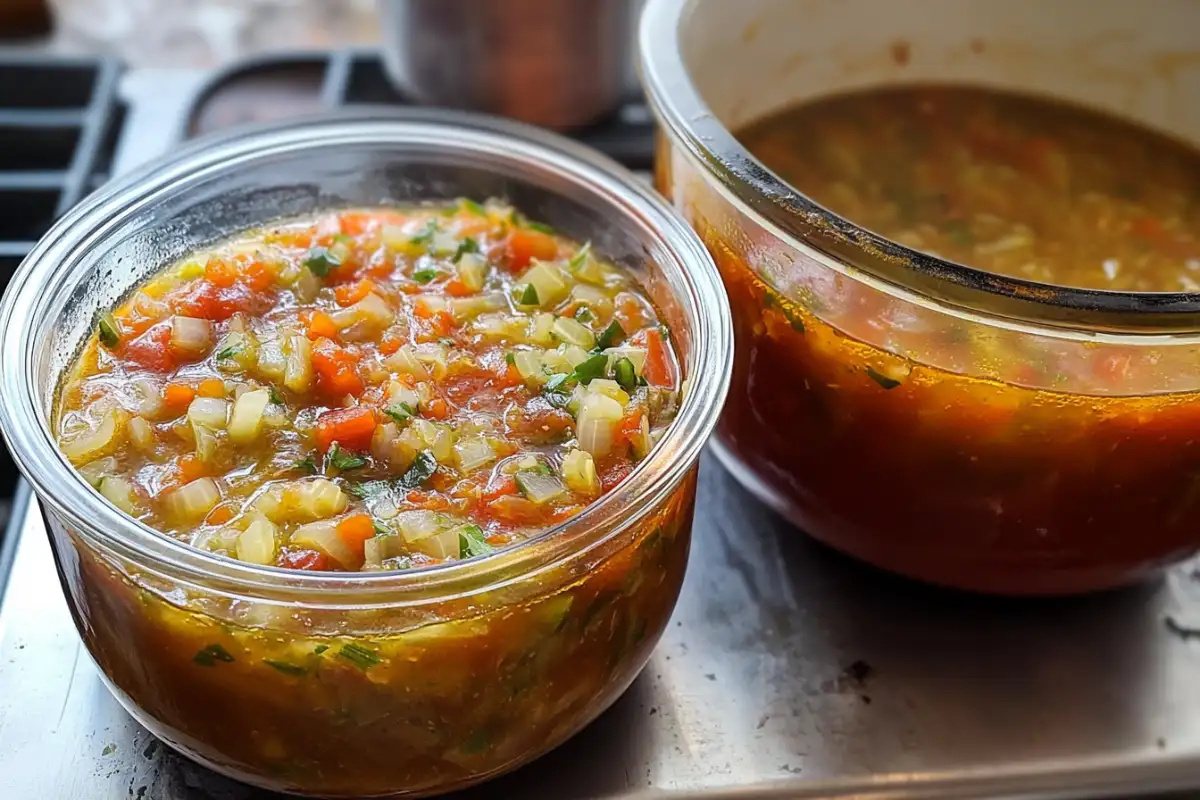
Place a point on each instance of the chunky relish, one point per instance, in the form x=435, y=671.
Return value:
x=372, y=389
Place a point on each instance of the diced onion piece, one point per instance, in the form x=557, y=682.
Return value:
x=320, y=498
x=434, y=357
x=141, y=435
x=502, y=326
x=640, y=441
x=548, y=281
x=593, y=298
x=405, y=362
x=597, y=423
x=579, y=473
x=373, y=311
x=636, y=355
x=205, y=440
x=539, y=487
x=297, y=355
x=192, y=501
x=211, y=412
x=443, y=243
x=417, y=525
x=465, y=308
x=120, y=493
x=307, y=286
x=271, y=362
x=572, y=332
x=529, y=364
x=379, y=548
x=472, y=271
x=322, y=536
x=436, y=438
x=96, y=471
x=256, y=544
x=98, y=441
x=394, y=237
x=399, y=393
x=609, y=388
x=444, y=544
x=541, y=331
x=247, y=419
x=149, y=398
x=473, y=452
x=237, y=350
x=190, y=336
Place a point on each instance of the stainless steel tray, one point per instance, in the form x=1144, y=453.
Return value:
x=787, y=671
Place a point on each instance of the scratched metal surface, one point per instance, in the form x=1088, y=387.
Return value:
x=785, y=667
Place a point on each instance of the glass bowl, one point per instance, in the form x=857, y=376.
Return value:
x=471, y=668
x=941, y=422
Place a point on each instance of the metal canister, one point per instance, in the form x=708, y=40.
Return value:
x=557, y=63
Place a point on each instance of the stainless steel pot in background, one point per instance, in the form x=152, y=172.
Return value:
x=548, y=62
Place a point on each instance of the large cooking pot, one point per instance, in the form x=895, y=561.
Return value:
x=962, y=467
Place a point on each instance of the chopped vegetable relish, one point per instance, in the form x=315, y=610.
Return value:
x=371, y=389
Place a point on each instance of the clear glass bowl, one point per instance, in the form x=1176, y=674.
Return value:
x=948, y=424
x=482, y=665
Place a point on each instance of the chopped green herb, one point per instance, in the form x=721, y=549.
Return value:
x=881, y=379
x=108, y=330
x=368, y=489
x=594, y=367
x=509, y=358
x=307, y=464
x=471, y=542
x=321, y=648
x=228, y=352
x=475, y=208
x=556, y=380
x=529, y=297
x=580, y=258
x=359, y=656
x=642, y=381
x=425, y=275
x=467, y=245
x=275, y=396
x=610, y=336
x=423, y=467
x=626, y=374
x=558, y=399
x=342, y=461
x=400, y=412
x=210, y=655
x=584, y=314
x=320, y=261
x=285, y=667
x=427, y=233
x=380, y=528
x=541, y=227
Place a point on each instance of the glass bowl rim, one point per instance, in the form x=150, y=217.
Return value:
x=58, y=485
x=793, y=216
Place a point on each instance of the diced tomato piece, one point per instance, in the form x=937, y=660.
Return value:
x=258, y=276
x=220, y=515
x=525, y=245
x=613, y=471
x=206, y=300
x=631, y=426
x=151, y=350
x=354, y=531
x=177, y=397
x=518, y=510
x=351, y=428
x=658, y=370
x=504, y=485
x=337, y=370
x=220, y=273
x=304, y=559
x=350, y=293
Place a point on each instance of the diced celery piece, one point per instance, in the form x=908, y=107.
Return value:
x=572, y=332
x=192, y=501
x=246, y=422
x=120, y=493
x=257, y=544
x=472, y=271
x=211, y=412
x=549, y=282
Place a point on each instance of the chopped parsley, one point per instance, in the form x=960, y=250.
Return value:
x=580, y=258
x=467, y=245
x=540, y=227
x=529, y=297
x=427, y=233
x=594, y=367
x=610, y=336
x=320, y=261
x=321, y=648
x=286, y=668
x=422, y=469
x=424, y=276
x=228, y=352
x=556, y=381
x=472, y=206
x=275, y=396
x=881, y=379
x=210, y=655
x=359, y=656
x=342, y=461
x=368, y=489
x=307, y=464
x=400, y=412
x=471, y=542
x=108, y=331
x=509, y=358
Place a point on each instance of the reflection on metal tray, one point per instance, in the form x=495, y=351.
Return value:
x=787, y=671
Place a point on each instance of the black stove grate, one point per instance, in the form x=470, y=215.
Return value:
x=276, y=87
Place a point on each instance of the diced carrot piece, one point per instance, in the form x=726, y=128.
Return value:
x=321, y=325
x=355, y=223
x=657, y=369
x=421, y=310
x=390, y=343
x=258, y=276
x=442, y=323
x=220, y=273
x=350, y=293
x=177, y=397
x=456, y=288
x=437, y=408
x=336, y=369
x=211, y=387
x=190, y=468
x=351, y=428
x=220, y=515
x=631, y=425
x=354, y=531
x=524, y=245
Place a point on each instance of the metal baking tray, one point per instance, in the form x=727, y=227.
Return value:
x=786, y=671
